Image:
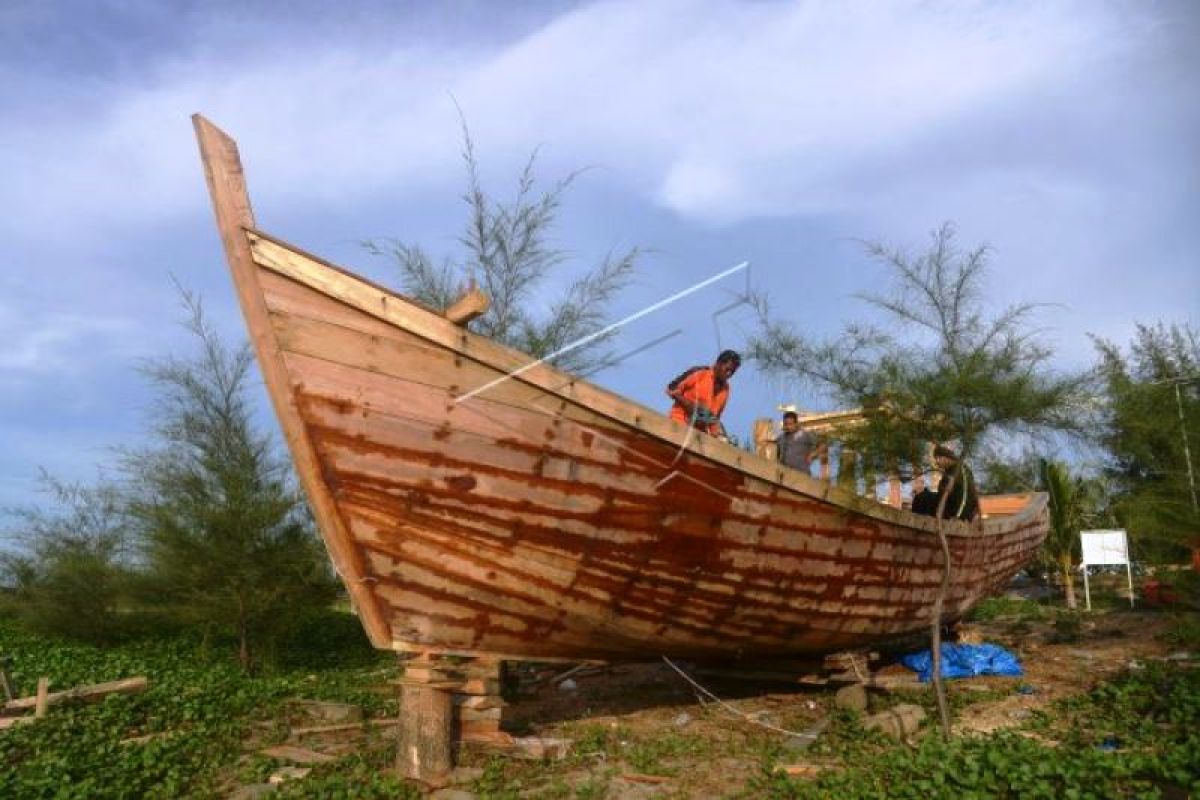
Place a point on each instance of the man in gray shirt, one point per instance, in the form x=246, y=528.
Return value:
x=796, y=447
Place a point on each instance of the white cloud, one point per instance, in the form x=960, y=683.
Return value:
x=1063, y=133
x=719, y=110
x=52, y=342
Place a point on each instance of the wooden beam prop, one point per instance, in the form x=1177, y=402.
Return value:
x=472, y=304
x=43, y=695
x=88, y=694
x=764, y=439
x=426, y=737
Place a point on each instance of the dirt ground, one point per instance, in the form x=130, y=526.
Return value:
x=1108, y=643
x=705, y=750
x=642, y=730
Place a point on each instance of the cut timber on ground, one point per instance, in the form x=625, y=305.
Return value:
x=297, y=755
x=87, y=694
x=320, y=730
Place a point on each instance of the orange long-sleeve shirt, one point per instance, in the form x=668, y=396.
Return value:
x=698, y=387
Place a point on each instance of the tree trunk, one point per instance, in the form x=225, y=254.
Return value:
x=1068, y=576
x=243, y=637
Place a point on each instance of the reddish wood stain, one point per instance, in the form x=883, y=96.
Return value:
x=521, y=523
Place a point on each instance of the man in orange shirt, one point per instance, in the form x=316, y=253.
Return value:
x=700, y=393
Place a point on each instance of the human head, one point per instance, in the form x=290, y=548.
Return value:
x=727, y=363
x=791, y=422
x=944, y=456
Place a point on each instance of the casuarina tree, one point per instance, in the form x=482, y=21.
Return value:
x=227, y=541
x=69, y=561
x=939, y=367
x=1151, y=431
x=508, y=252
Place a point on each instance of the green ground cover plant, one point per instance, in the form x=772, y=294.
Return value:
x=1134, y=737
x=200, y=702
x=991, y=608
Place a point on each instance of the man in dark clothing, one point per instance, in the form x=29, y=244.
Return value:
x=963, y=501
x=925, y=502
x=796, y=447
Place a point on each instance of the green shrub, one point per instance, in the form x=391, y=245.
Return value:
x=199, y=707
x=1184, y=631
x=991, y=608
x=1068, y=625
x=324, y=638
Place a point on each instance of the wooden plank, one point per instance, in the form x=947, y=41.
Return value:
x=297, y=755
x=88, y=694
x=471, y=305
x=231, y=205
x=382, y=304
x=345, y=727
x=43, y=689
x=387, y=307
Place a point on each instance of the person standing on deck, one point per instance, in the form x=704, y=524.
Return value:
x=701, y=393
x=796, y=447
x=963, y=502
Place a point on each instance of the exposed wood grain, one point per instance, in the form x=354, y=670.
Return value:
x=459, y=553
x=546, y=517
x=231, y=205
x=425, y=747
x=40, y=701
x=471, y=305
x=384, y=305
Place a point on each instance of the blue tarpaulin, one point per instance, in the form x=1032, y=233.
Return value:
x=965, y=661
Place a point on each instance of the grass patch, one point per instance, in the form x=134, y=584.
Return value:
x=1012, y=608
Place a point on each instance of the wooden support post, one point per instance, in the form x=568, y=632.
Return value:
x=478, y=704
x=43, y=695
x=764, y=439
x=426, y=741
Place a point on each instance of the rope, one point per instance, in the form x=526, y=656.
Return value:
x=733, y=710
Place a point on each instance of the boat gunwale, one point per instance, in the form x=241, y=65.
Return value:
x=438, y=330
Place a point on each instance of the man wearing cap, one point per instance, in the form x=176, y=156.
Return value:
x=963, y=501
x=701, y=393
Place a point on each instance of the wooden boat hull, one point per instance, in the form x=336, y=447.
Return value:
x=547, y=518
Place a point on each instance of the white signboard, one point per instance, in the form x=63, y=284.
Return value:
x=1104, y=547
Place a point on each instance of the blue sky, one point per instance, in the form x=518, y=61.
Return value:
x=1062, y=134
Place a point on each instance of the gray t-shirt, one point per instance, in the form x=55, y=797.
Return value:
x=795, y=449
